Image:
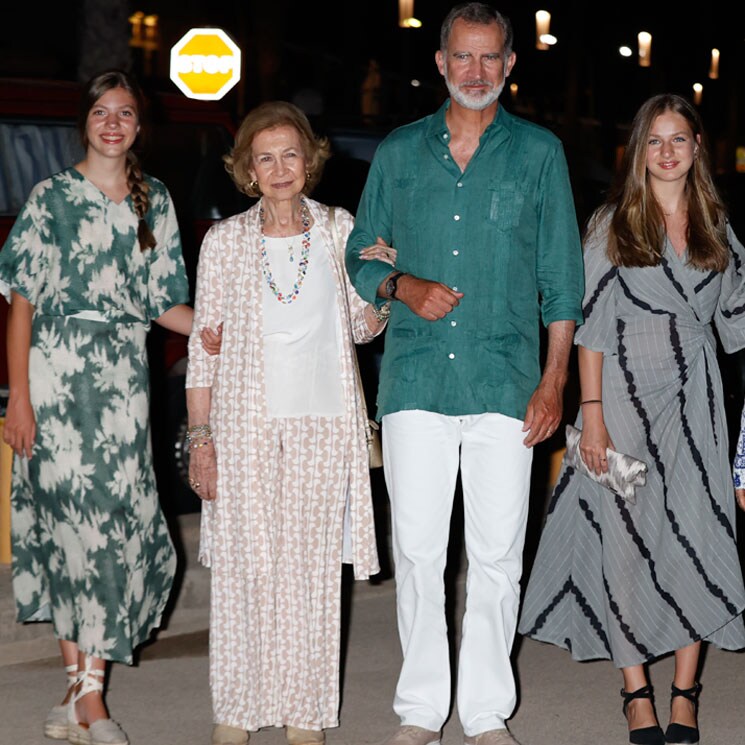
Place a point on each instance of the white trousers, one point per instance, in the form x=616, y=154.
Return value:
x=422, y=453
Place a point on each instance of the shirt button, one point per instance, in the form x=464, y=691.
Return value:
x=451, y=356
x=445, y=136
x=446, y=156
x=455, y=253
x=456, y=217
x=453, y=323
x=460, y=184
x=455, y=289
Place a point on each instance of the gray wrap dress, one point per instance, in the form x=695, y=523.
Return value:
x=631, y=582
x=91, y=548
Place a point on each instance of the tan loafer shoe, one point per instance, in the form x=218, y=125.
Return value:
x=222, y=734
x=298, y=736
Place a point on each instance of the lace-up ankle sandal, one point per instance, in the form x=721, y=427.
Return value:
x=682, y=734
x=644, y=735
x=55, y=725
x=100, y=732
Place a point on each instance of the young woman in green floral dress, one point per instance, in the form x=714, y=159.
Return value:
x=93, y=258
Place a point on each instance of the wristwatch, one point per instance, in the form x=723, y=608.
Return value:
x=391, y=284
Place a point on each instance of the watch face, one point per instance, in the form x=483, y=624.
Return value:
x=390, y=287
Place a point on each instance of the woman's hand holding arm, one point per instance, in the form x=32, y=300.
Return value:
x=179, y=318
x=380, y=251
x=20, y=423
x=595, y=439
x=211, y=340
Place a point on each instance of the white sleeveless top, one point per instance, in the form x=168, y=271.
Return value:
x=301, y=339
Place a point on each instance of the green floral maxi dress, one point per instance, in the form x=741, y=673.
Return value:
x=91, y=549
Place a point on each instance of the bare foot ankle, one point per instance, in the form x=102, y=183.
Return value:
x=640, y=713
x=683, y=711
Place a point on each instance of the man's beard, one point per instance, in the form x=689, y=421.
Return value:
x=477, y=102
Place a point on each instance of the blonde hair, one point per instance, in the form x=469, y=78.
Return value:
x=238, y=162
x=636, y=233
x=138, y=187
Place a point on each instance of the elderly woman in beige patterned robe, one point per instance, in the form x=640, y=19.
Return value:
x=277, y=436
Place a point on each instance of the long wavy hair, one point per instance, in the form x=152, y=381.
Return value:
x=636, y=232
x=138, y=187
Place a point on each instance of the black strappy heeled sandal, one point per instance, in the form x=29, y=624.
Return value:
x=682, y=734
x=644, y=735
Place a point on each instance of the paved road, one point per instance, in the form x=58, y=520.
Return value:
x=164, y=699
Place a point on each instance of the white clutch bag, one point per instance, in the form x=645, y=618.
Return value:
x=624, y=473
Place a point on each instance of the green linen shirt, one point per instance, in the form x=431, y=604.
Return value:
x=503, y=232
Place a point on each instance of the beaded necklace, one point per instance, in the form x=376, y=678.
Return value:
x=302, y=268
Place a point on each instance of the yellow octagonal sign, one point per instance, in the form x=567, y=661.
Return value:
x=205, y=63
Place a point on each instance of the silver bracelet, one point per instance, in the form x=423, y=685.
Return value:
x=383, y=312
x=198, y=432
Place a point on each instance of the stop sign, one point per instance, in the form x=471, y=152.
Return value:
x=205, y=63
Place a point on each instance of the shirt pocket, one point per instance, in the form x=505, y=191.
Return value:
x=505, y=206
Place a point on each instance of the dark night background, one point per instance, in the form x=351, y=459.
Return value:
x=317, y=54
x=293, y=49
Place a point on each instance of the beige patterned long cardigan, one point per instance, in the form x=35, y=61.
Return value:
x=235, y=541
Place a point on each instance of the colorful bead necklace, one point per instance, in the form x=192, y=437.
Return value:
x=302, y=268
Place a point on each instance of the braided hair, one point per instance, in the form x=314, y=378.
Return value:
x=138, y=187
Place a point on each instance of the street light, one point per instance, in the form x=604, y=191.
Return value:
x=542, y=23
x=645, y=48
x=145, y=35
x=406, y=15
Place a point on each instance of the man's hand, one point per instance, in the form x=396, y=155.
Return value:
x=740, y=494
x=543, y=414
x=429, y=300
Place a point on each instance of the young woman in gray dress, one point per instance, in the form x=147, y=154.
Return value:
x=93, y=258
x=632, y=582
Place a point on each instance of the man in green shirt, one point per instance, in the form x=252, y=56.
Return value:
x=478, y=205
